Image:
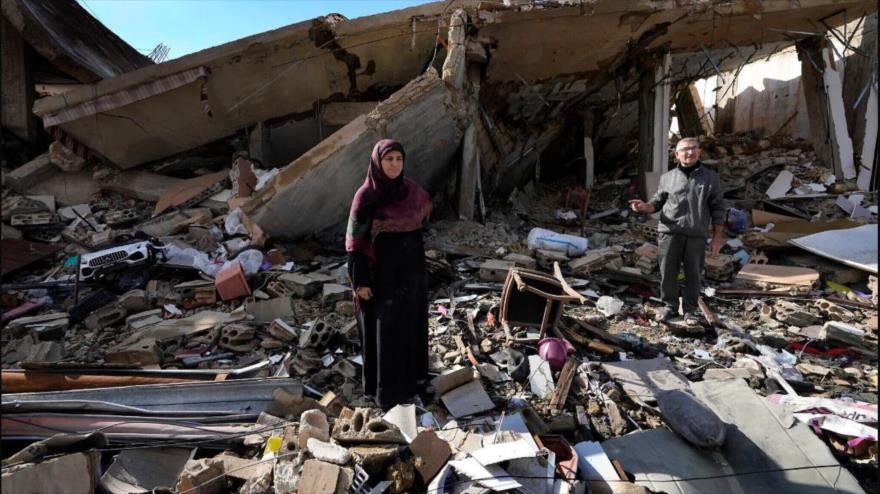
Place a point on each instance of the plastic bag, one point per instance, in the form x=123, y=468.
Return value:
x=250, y=260
x=234, y=223
x=609, y=306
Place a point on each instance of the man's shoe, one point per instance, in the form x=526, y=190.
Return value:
x=691, y=319
x=666, y=314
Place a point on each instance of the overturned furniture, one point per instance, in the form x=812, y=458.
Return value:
x=534, y=299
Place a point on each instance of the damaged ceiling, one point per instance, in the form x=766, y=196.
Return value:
x=521, y=82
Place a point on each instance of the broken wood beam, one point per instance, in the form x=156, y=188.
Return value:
x=707, y=311
x=598, y=332
x=563, y=385
x=32, y=382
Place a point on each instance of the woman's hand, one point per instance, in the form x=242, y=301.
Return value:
x=364, y=293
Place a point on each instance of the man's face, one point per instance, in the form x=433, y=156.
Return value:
x=688, y=153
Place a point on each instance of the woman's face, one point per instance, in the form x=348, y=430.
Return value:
x=392, y=164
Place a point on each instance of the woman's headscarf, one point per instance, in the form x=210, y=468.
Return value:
x=384, y=204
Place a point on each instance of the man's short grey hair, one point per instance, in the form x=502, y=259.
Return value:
x=684, y=140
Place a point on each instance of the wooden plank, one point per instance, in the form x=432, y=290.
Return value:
x=563, y=385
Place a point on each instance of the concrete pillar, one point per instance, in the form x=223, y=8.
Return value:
x=690, y=112
x=259, y=146
x=859, y=74
x=16, y=61
x=823, y=91
x=589, y=155
x=725, y=104
x=654, y=104
x=868, y=166
x=468, y=176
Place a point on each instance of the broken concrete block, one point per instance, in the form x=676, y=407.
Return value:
x=301, y=285
x=123, y=216
x=332, y=293
x=452, y=379
x=53, y=330
x=494, y=270
x=141, y=320
x=431, y=454
x=282, y=331
x=29, y=174
x=305, y=361
x=9, y=233
x=347, y=369
x=242, y=468
x=521, y=260
x=105, y=316
x=319, y=477
x=134, y=301
x=329, y=452
x=596, y=260
x=76, y=472
x=64, y=158
x=345, y=308
x=722, y=374
x=404, y=418
x=278, y=289
x=363, y=428
x=840, y=332
x=266, y=311
x=316, y=336
x=313, y=424
x=546, y=258
x=374, y=459
x=286, y=477
x=834, y=312
x=345, y=481
x=720, y=267
x=198, y=477
x=792, y=314
x=139, y=353
x=237, y=337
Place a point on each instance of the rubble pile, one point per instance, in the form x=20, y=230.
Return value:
x=178, y=325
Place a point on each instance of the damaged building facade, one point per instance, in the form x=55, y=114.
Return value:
x=174, y=277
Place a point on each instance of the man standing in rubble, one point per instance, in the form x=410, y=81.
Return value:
x=689, y=199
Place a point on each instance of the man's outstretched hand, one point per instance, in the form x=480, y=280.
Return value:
x=640, y=206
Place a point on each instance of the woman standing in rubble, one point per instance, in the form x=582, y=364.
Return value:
x=386, y=265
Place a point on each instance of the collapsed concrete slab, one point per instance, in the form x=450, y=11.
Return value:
x=426, y=113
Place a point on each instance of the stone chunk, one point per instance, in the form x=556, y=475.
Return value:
x=105, y=316
x=197, y=475
x=332, y=293
x=143, y=319
x=597, y=260
x=75, y=472
x=329, y=452
x=431, y=454
x=313, y=425
x=141, y=352
x=319, y=477
x=301, y=285
x=374, y=458
x=316, y=336
x=494, y=270
x=521, y=260
x=364, y=428
x=134, y=301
